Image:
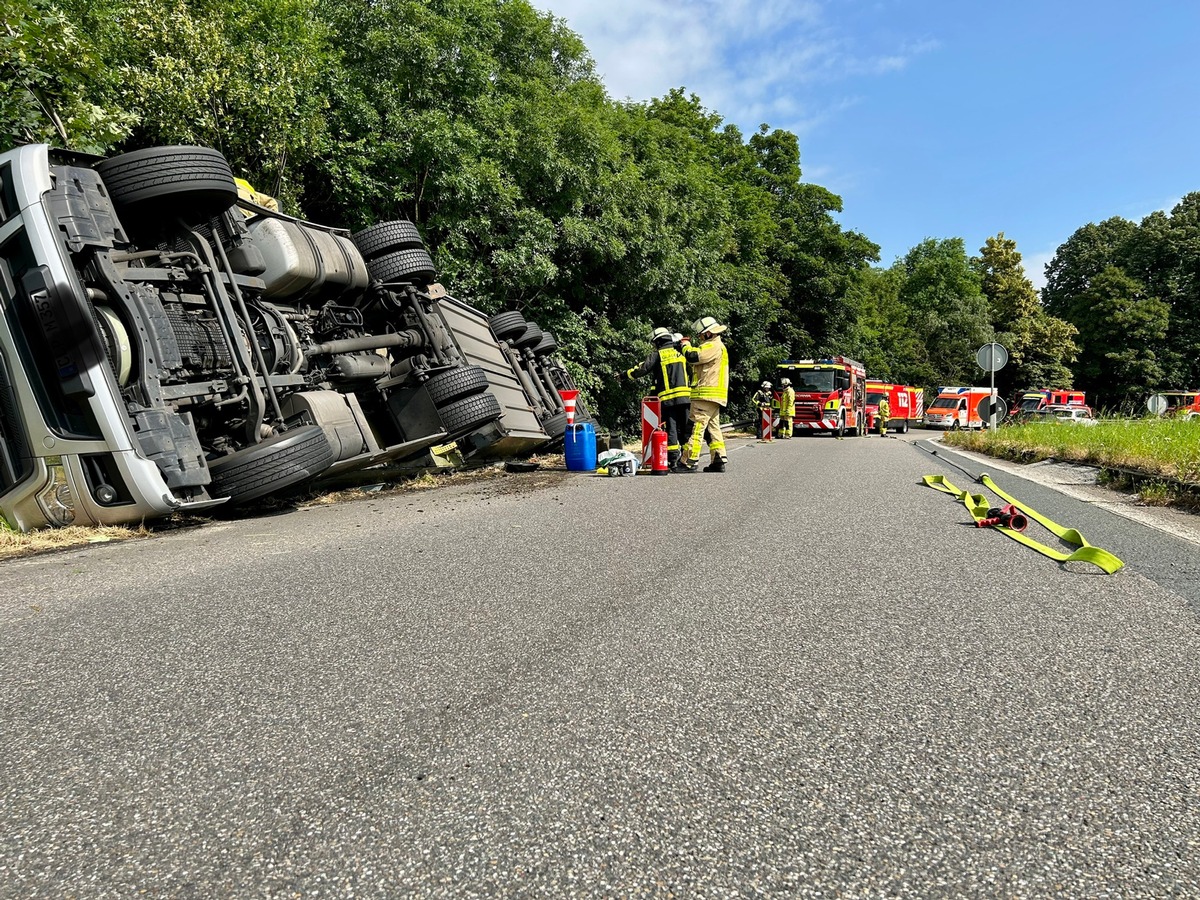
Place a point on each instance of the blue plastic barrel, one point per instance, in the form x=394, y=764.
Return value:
x=579, y=447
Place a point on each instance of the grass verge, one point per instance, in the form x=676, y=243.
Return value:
x=1157, y=458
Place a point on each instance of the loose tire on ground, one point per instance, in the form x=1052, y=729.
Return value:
x=454, y=384
x=277, y=463
x=465, y=415
x=194, y=183
x=507, y=325
x=388, y=237
x=409, y=266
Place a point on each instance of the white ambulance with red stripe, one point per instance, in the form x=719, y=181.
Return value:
x=830, y=394
x=907, y=405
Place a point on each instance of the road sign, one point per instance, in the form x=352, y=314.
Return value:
x=985, y=412
x=1157, y=404
x=991, y=357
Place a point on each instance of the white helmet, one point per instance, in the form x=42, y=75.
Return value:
x=766, y=385
x=787, y=382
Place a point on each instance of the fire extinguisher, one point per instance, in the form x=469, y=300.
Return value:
x=658, y=452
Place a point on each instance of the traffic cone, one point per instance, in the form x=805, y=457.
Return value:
x=569, y=399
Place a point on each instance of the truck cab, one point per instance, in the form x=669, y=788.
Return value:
x=830, y=394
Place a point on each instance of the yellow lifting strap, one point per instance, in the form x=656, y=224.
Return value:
x=977, y=505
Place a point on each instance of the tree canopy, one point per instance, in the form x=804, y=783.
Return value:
x=485, y=123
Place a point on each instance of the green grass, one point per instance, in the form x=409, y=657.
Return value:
x=1165, y=447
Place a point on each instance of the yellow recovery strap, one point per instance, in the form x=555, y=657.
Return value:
x=977, y=505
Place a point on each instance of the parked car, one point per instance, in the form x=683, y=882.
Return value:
x=1069, y=415
x=165, y=345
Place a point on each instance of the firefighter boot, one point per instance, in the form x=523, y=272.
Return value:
x=717, y=465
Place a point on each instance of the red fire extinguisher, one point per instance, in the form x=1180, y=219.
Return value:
x=658, y=452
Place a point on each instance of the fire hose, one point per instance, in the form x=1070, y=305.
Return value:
x=1012, y=518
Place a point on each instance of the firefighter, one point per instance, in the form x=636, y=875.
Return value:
x=787, y=408
x=710, y=368
x=885, y=413
x=763, y=399
x=666, y=364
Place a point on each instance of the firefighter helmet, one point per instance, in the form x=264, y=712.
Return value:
x=787, y=382
x=766, y=385
x=660, y=334
x=707, y=325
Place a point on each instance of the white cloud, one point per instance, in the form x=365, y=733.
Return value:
x=1035, y=266
x=751, y=61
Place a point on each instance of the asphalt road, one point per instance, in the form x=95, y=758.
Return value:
x=805, y=677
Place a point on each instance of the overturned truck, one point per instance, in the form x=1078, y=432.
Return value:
x=165, y=345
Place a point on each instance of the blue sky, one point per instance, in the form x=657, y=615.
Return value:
x=934, y=118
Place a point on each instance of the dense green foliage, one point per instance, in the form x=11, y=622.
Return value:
x=485, y=123
x=1133, y=291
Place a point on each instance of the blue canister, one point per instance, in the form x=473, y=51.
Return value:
x=579, y=447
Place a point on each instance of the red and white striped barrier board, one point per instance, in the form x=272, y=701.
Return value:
x=651, y=417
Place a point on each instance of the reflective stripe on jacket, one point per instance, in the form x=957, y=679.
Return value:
x=710, y=366
x=787, y=402
x=670, y=374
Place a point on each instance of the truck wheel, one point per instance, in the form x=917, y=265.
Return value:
x=388, y=237
x=530, y=338
x=840, y=431
x=465, y=415
x=274, y=464
x=955, y=426
x=454, y=384
x=547, y=345
x=507, y=325
x=413, y=266
x=193, y=182
x=556, y=425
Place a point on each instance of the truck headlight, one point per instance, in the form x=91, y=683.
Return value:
x=55, y=499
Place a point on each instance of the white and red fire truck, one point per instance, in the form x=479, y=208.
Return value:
x=907, y=405
x=1029, y=402
x=830, y=394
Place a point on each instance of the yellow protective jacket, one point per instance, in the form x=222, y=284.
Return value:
x=885, y=412
x=670, y=375
x=710, y=371
x=787, y=402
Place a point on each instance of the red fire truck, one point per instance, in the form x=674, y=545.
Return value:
x=907, y=403
x=1028, y=402
x=830, y=394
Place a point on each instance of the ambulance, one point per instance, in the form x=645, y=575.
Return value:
x=956, y=408
x=907, y=405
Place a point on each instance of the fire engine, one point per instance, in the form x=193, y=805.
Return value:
x=1181, y=404
x=1028, y=402
x=907, y=403
x=830, y=394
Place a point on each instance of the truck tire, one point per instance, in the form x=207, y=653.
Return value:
x=904, y=427
x=547, y=346
x=454, y=384
x=955, y=426
x=388, y=237
x=555, y=426
x=193, y=182
x=413, y=266
x=507, y=325
x=274, y=464
x=465, y=415
x=840, y=430
x=530, y=338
